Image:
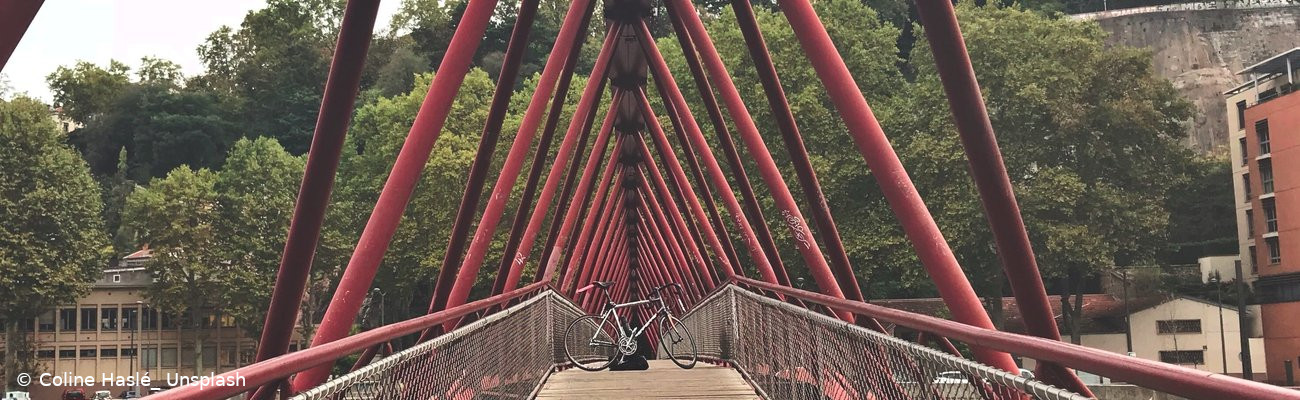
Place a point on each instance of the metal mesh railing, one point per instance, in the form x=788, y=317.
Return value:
x=790, y=352
x=503, y=355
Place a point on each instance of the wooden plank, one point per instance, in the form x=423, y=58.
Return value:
x=663, y=380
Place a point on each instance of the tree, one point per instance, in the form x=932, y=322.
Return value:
x=86, y=90
x=255, y=190
x=275, y=64
x=1089, y=134
x=52, y=244
x=177, y=216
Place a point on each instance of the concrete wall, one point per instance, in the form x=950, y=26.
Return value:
x=1200, y=49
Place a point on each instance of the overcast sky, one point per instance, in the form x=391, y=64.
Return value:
x=65, y=31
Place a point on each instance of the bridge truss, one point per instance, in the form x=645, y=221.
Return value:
x=632, y=212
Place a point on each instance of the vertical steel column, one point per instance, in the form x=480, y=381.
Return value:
x=518, y=150
x=794, y=146
x=539, y=159
x=15, y=17
x=387, y=214
x=737, y=166
x=919, y=226
x=318, y=177
x=793, y=219
x=660, y=70
x=990, y=175
x=505, y=87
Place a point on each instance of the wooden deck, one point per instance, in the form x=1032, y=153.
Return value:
x=662, y=381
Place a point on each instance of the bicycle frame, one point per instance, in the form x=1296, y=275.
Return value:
x=611, y=310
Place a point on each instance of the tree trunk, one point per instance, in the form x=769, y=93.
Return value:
x=11, y=354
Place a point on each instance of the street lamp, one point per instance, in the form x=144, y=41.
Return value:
x=1223, y=346
x=135, y=351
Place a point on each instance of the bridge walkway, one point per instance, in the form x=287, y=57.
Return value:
x=662, y=381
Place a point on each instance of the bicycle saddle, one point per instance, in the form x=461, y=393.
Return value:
x=603, y=284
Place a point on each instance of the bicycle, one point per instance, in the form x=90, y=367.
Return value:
x=606, y=339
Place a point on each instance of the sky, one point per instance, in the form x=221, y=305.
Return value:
x=66, y=31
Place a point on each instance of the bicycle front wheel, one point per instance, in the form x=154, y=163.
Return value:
x=677, y=342
x=591, y=343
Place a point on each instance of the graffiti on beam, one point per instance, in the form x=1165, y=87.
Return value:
x=796, y=228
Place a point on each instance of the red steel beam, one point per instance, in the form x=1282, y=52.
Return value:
x=793, y=219
x=991, y=179
x=339, y=98
x=660, y=70
x=670, y=159
x=587, y=105
x=595, y=218
x=579, y=262
x=668, y=254
x=387, y=214
x=578, y=200
x=451, y=257
x=519, y=149
x=15, y=17
x=737, y=166
x=897, y=187
x=672, y=237
x=812, y=190
x=539, y=159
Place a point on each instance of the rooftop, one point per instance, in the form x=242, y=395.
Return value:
x=1281, y=63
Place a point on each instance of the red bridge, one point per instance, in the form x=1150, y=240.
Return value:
x=628, y=213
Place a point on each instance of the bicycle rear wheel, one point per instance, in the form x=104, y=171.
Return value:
x=677, y=341
x=591, y=343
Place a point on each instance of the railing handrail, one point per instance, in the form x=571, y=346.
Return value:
x=277, y=368
x=1164, y=377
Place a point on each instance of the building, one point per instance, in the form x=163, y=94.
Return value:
x=1173, y=329
x=114, y=331
x=1264, y=125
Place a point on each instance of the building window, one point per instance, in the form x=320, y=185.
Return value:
x=45, y=321
x=1178, y=326
x=130, y=315
x=1261, y=133
x=1274, y=250
x=68, y=320
x=149, y=357
x=149, y=318
x=27, y=325
x=1270, y=215
x=1186, y=357
x=1266, y=176
x=1244, y=154
x=88, y=352
x=1245, y=184
x=89, y=319
x=1241, y=119
x=1250, y=223
x=169, y=357
x=67, y=353
x=1267, y=95
x=108, y=319
x=128, y=352
x=209, y=356
x=108, y=352
x=117, y=278
x=1254, y=260
x=45, y=354
x=168, y=322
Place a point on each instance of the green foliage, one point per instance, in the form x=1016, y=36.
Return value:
x=51, y=239
x=87, y=90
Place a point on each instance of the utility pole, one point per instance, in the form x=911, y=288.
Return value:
x=1223, y=342
x=1247, y=371
x=1128, y=329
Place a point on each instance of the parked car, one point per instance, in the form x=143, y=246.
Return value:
x=951, y=377
x=18, y=396
x=1027, y=374
x=129, y=394
x=103, y=395
x=74, y=394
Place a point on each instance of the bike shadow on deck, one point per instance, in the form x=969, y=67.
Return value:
x=663, y=380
